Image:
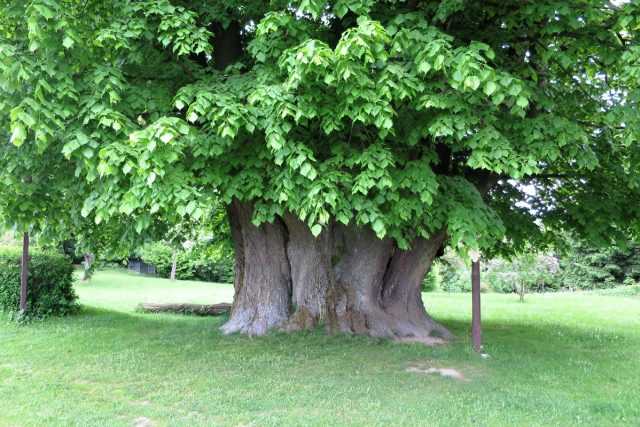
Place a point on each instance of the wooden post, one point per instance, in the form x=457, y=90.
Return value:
x=476, y=327
x=25, y=272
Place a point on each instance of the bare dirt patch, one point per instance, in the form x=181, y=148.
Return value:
x=445, y=372
x=143, y=422
x=425, y=341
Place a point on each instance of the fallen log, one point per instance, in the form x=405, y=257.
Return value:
x=195, y=309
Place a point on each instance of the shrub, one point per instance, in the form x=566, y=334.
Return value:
x=211, y=261
x=530, y=272
x=218, y=270
x=204, y=261
x=433, y=279
x=535, y=271
x=158, y=254
x=50, y=283
x=456, y=274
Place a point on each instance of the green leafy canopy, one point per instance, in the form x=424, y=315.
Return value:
x=402, y=116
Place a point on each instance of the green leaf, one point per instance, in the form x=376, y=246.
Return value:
x=68, y=42
x=191, y=206
x=82, y=138
x=197, y=214
x=472, y=82
x=151, y=179
x=166, y=137
x=522, y=101
x=489, y=88
x=490, y=53
x=514, y=90
x=18, y=135
x=437, y=64
x=379, y=228
x=305, y=169
x=86, y=210
x=342, y=218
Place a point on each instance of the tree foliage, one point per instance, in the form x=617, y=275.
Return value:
x=392, y=114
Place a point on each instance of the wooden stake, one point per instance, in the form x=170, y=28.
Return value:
x=476, y=327
x=25, y=272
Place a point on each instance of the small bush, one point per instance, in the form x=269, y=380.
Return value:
x=158, y=254
x=433, y=279
x=218, y=270
x=50, y=283
x=204, y=261
x=455, y=272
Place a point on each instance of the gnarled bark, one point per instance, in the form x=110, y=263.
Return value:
x=346, y=279
x=263, y=279
x=402, y=296
x=312, y=277
x=360, y=276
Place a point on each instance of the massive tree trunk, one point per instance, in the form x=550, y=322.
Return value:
x=346, y=279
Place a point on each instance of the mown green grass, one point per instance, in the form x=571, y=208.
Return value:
x=557, y=359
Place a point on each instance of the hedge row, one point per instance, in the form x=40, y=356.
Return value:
x=50, y=283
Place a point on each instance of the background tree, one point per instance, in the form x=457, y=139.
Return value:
x=348, y=139
x=585, y=267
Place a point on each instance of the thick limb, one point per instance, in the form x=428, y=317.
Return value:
x=312, y=277
x=402, y=296
x=263, y=277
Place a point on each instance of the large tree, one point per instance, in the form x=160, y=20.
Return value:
x=348, y=139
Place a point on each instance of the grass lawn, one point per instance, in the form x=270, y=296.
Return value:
x=558, y=359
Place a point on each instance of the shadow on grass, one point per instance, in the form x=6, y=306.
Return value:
x=515, y=338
